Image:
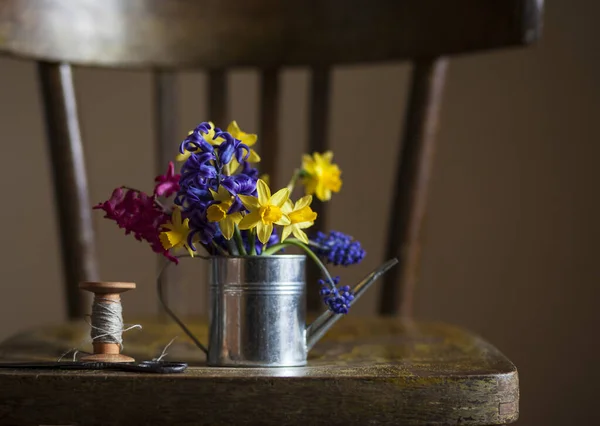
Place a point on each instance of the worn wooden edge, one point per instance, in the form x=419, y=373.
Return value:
x=121, y=398
x=339, y=386
x=106, y=286
x=262, y=33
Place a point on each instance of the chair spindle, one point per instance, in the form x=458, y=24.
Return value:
x=269, y=119
x=413, y=173
x=70, y=182
x=319, y=93
x=217, y=97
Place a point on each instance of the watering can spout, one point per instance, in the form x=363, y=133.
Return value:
x=323, y=323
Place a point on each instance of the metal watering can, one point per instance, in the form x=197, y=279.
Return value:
x=258, y=311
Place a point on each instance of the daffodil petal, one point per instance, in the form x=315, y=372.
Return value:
x=233, y=128
x=176, y=216
x=264, y=231
x=304, y=225
x=303, y=202
x=227, y=227
x=217, y=141
x=284, y=220
x=183, y=157
x=250, y=202
x=322, y=192
x=266, y=178
x=327, y=156
x=224, y=193
x=287, y=230
x=250, y=220
x=189, y=249
x=310, y=186
x=308, y=164
x=264, y=193
x=231, y=167
x=287, y=207
x=253, y=157
x=250, y=139
x=280, y=197
x=165, y=241
x=236, y=217
x=301, y=235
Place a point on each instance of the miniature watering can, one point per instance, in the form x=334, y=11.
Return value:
x=258, y=311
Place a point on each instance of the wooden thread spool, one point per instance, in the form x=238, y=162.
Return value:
x=107, y=291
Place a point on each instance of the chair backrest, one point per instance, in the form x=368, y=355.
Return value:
x=268, y=34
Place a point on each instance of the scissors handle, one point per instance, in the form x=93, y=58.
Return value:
x=160, y=367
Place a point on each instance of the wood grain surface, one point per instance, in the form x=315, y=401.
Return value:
x=263, y=33
x=366, y=371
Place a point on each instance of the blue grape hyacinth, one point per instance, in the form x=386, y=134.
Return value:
x=338, y=300
x=337, y=248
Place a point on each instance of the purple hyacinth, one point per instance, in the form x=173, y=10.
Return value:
x=337, y=248
x=239, y=184
x=338, y=300
x=203, y=171
x=231, y=147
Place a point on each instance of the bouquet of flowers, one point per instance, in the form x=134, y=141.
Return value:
x=219, y=203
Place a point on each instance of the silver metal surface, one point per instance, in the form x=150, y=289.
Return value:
x=257, y=311
x=319, y=327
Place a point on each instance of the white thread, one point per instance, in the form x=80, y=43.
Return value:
x=75, y=353
x=107, y=322
x=164, y=352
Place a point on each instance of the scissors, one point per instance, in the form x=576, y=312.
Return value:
x=160, y=367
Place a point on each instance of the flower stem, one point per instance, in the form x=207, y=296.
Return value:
x=219, y=249
x=294, y=242
x=232, y=248
x=253, y=242
x=238, y=240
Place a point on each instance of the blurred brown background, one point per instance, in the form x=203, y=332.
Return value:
x=512, y=230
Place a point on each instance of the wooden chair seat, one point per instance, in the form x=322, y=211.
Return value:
x=365, y=371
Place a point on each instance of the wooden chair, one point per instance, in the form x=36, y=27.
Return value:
x=395, y=371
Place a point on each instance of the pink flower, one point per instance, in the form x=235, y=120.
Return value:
x=137, y=213
x=168, y=183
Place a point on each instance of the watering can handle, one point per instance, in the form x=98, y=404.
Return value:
x=161, y=298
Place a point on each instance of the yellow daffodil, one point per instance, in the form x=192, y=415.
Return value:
x=178, y=232
x=265, y=211
x=266, y=178
x=218, y=212
x=321, y=177
x=301, y=217
x=208, y=136
x=248, y=139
